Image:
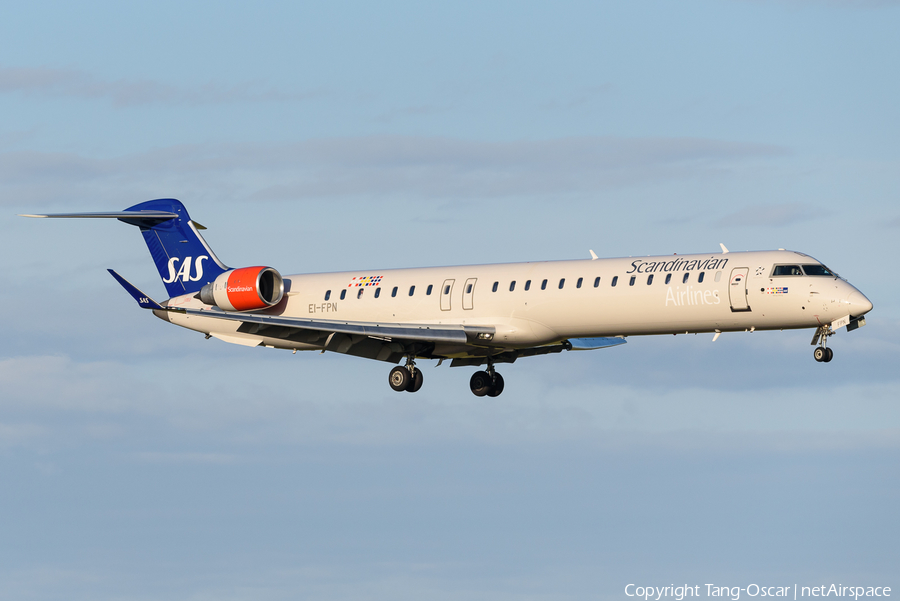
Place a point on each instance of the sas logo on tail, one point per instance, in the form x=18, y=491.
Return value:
x=184, y=272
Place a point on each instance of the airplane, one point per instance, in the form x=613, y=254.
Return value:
x=483, y=315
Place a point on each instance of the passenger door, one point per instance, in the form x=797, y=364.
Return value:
x=737, y=289
x=446, y=293
x=469, y=293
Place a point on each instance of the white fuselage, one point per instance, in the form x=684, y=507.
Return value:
x=581, y=299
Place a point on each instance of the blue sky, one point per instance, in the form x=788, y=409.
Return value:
x=140, y=461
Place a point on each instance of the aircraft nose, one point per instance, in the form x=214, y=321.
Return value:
x=859, y=304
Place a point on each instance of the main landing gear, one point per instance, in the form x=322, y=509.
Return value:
x=486, y=383
x=407, y=378
x=823, y=354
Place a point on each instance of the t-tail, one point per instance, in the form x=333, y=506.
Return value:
x=184, y=260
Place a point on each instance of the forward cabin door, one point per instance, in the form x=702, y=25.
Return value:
x=469, y=293
x=737, y=289
x=446, y=293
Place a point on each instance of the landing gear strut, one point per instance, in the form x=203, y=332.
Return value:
x=408, y=378
x=486, y=383
x=823, y=354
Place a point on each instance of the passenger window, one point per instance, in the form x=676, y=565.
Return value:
x=649, y=279
x=615, y=280
x=578, y=283
x=512, y=285
x=684, y=280
x=700, y=277
x=718, y=275
x=447, y=288
x=327, y=294
x=816, y=270
x=544, y=285
x=562, y=283
x=343, y=294
x=668, y=278
x=359, y=294
x=394, y=292
x=428, y=290
x=631, y=282
x=494, y=289
x=377, y=292
x=787, y=270
x=596, y=281
x=412, y=290
x=528, y=285
x=469, y=289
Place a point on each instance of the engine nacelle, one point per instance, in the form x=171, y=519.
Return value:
x=244, y=289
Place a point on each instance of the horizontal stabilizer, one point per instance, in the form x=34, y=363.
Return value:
x=145, y=219
x=109, y=215
x=590, y=344
x=142, y=299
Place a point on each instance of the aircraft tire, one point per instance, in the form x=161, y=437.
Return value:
x=497, y=388
x=399, y=378
x=829, y=355
x=415, y=382
x=819, y=354
x=480, y=383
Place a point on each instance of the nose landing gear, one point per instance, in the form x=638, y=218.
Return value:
x=408, y=378
x=822, y=354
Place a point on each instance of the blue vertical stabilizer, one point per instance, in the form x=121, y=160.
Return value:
x=184, y=260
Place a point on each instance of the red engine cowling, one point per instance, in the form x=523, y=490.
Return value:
x=244, y=289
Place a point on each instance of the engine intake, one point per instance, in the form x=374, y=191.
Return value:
x=245, y=289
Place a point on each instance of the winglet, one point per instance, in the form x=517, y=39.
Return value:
x=724, y=250
x=142, y=299
x=594, y=256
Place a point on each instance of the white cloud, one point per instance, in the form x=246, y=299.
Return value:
x=74, y=83
x=381, y=166
x=185, y=458
x=171, y=395
x=15, y=434
x=771, y=215
x=41, y=382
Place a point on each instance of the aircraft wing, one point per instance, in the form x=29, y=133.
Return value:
x=380, y=331
x=470, y=345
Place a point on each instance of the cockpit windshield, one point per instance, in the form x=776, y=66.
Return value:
x=787, y=270
x=817, y=270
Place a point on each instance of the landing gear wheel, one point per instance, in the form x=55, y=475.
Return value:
x=829, y=355
x=480, y=383
x=415, y=382
x=399, y=379
x=820, y=354
x=497, y=388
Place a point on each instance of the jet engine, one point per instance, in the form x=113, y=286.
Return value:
x=244, y=289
